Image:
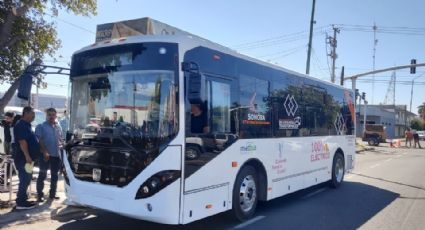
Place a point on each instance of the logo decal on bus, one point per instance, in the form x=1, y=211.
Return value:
x=290, y=123
x=319, y=151
x=249, y=148
x=279, y=163
x=339, y=124
x=290, y=105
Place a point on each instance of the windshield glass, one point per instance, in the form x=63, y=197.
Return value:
x=131, y=108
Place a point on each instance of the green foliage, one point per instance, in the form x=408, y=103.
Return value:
x=417, y=124
x=421, y=110
x=25, y=31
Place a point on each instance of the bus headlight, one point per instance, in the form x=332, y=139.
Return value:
x=157, y=182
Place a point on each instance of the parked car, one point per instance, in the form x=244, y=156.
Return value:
x=421, y=135
x=374, y=134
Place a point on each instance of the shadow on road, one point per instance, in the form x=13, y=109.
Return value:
x=393, y=182
x=348, y=207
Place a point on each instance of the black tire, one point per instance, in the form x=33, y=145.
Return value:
x=372, y=141
x=245, y=193
x=338, y=170
x=192, y=152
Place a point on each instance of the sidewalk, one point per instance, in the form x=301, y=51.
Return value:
x=50, y=209
x=362, y=146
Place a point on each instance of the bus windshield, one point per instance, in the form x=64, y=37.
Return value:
x=137, y=108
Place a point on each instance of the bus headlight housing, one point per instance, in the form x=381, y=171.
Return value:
x=157, y=182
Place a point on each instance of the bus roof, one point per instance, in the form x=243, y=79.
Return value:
x=190, y=42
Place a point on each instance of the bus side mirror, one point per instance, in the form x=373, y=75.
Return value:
x=196, y=88
x=25, y=84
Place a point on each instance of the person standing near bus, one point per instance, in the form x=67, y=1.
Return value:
x=64, y=123
x=13, y=143
x=409, y=136
x=50, y=137
x=27, y=149
x=8, y=118
x=416, y=139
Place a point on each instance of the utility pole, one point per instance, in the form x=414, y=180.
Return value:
x=375, y=42
x=310, y=40
x=333, y=55
x=411, y=91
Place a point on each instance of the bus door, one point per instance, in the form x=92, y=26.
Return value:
x=208, y=134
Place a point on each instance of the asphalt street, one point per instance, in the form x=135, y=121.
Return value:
x=385, y=191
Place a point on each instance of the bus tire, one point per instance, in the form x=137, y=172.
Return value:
x=337, y=170
x=245, y=193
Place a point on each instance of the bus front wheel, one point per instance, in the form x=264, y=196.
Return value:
x=245, y=193
x=337, y=170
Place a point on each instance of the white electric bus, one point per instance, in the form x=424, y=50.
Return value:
x=141, y=149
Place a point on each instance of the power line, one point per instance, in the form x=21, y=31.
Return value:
x=318, y=63
x=281, y=52
x=384, y=29
x=287, y=54
x=301, y=35
x=71, y=24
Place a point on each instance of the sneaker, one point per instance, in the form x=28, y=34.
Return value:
x=40, y=199
x=54, y=197
x=25, y=206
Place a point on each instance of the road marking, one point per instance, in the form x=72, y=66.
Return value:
x=251, y=221
x=314, y=193
x=374, y=166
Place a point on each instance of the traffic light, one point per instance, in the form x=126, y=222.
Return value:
x=363, y=95
x=342, y=76
x=357, y=94
x=413, y=69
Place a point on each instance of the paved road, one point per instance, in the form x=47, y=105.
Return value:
x=386, y=191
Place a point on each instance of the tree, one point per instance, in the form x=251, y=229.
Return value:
x=421, y=111
x=417, y=124
x=24, y=32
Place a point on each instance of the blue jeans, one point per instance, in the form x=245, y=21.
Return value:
x=54, y=163
x=24, y=182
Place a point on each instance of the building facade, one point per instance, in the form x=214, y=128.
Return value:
x=395, y=118
x=42, y=102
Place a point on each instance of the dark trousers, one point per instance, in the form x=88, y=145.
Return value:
x=417, y=141
x=7, y=148
x=24, y=182
x=54, y=164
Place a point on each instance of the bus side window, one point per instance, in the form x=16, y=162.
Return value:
x=219, y=118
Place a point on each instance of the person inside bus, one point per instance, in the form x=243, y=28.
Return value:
x=199, y=120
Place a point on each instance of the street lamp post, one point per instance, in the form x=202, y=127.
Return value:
x=364, y=115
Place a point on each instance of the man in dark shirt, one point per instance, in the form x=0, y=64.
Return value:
x=7, y=137
x=199, y=120
x=28, y=149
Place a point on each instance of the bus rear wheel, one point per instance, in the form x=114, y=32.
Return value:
x=337, y=170
x=245, y=193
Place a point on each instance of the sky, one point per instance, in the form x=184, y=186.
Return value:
x=277, y=31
